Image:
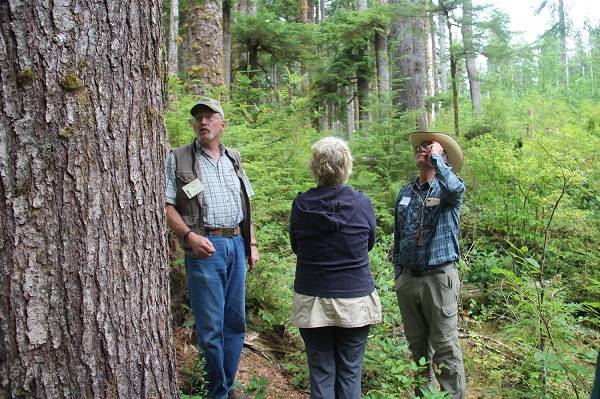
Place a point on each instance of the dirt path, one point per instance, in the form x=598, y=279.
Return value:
x=253, y=364
x=278, y=384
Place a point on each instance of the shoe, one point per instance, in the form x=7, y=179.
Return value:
x=235, y=394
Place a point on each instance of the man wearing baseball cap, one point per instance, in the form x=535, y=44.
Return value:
x=208, y=207
x=426, y=250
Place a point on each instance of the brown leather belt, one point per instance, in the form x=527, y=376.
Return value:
x=224, y=232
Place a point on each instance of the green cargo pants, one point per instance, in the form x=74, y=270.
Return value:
x=429, y=308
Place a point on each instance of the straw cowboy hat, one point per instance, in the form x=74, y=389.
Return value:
x=451, y=147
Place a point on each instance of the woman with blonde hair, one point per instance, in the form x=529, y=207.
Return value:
x=332, y=229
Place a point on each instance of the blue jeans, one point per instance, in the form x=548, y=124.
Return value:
x=216, y=287
x=335, y=356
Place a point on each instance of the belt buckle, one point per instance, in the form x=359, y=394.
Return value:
x=228, y=231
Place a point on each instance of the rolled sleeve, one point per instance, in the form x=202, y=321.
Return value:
x=170, y=183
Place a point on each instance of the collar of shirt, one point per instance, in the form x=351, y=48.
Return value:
x=429, y=183
x=198, y=148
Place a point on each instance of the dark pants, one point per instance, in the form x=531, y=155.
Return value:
x=335, y=357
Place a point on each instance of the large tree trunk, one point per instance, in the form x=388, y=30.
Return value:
x=443, y=52
x=203, y=44
x=173, y=37
x=473, y=74
x=409, y=59
x=84, y=288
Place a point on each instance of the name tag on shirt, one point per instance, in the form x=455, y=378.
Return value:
x=405, y=201
x=194, y=188
x=432, y=201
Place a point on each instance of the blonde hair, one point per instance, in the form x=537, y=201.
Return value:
x=331, y=161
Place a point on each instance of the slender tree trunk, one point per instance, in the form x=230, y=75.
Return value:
x=434, y=67
x=473, y=74
x=362, y=79
x=204, y=44
x=245, y=7
x=322, y=10
x=383, y=66
x=227, y=44
x=562, y=29
x=434, y=60
x=84, y=286
x=382, y=63
x=173, y=37
x=409, y=59
x=428, y=68
x=303, y=6
x=442, y=26
x=253, y=64
x=453, y=78
x=350, y=128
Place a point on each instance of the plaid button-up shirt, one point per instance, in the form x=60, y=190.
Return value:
x=440, y=217
x=222, y=203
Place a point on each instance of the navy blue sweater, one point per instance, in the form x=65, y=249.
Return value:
x=332, y=230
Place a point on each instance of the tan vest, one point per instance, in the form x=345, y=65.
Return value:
x=190, y=209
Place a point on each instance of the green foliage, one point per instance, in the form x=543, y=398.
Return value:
x=257, y=387
x=543, y=325
x=192, y=381
x=351, y=31
x=285, y=42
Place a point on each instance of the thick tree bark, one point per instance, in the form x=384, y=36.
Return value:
x=473, y=74
x=173, y=37
x=443, y=52
x=84, y=288
x=409, y=59
x=203, y=44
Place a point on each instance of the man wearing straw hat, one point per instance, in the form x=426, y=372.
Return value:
x=425, y=254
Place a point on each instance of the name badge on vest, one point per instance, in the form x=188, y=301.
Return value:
x=193, y=188
x=405, y=201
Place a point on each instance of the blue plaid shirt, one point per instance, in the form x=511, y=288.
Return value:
x=437, y=202
x=222, y=203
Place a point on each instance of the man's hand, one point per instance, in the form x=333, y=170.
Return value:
x=253, y=258
x=201, y=246
x=436, y=148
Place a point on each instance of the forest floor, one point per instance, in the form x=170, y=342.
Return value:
x=260, y=370
x=256, y=364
